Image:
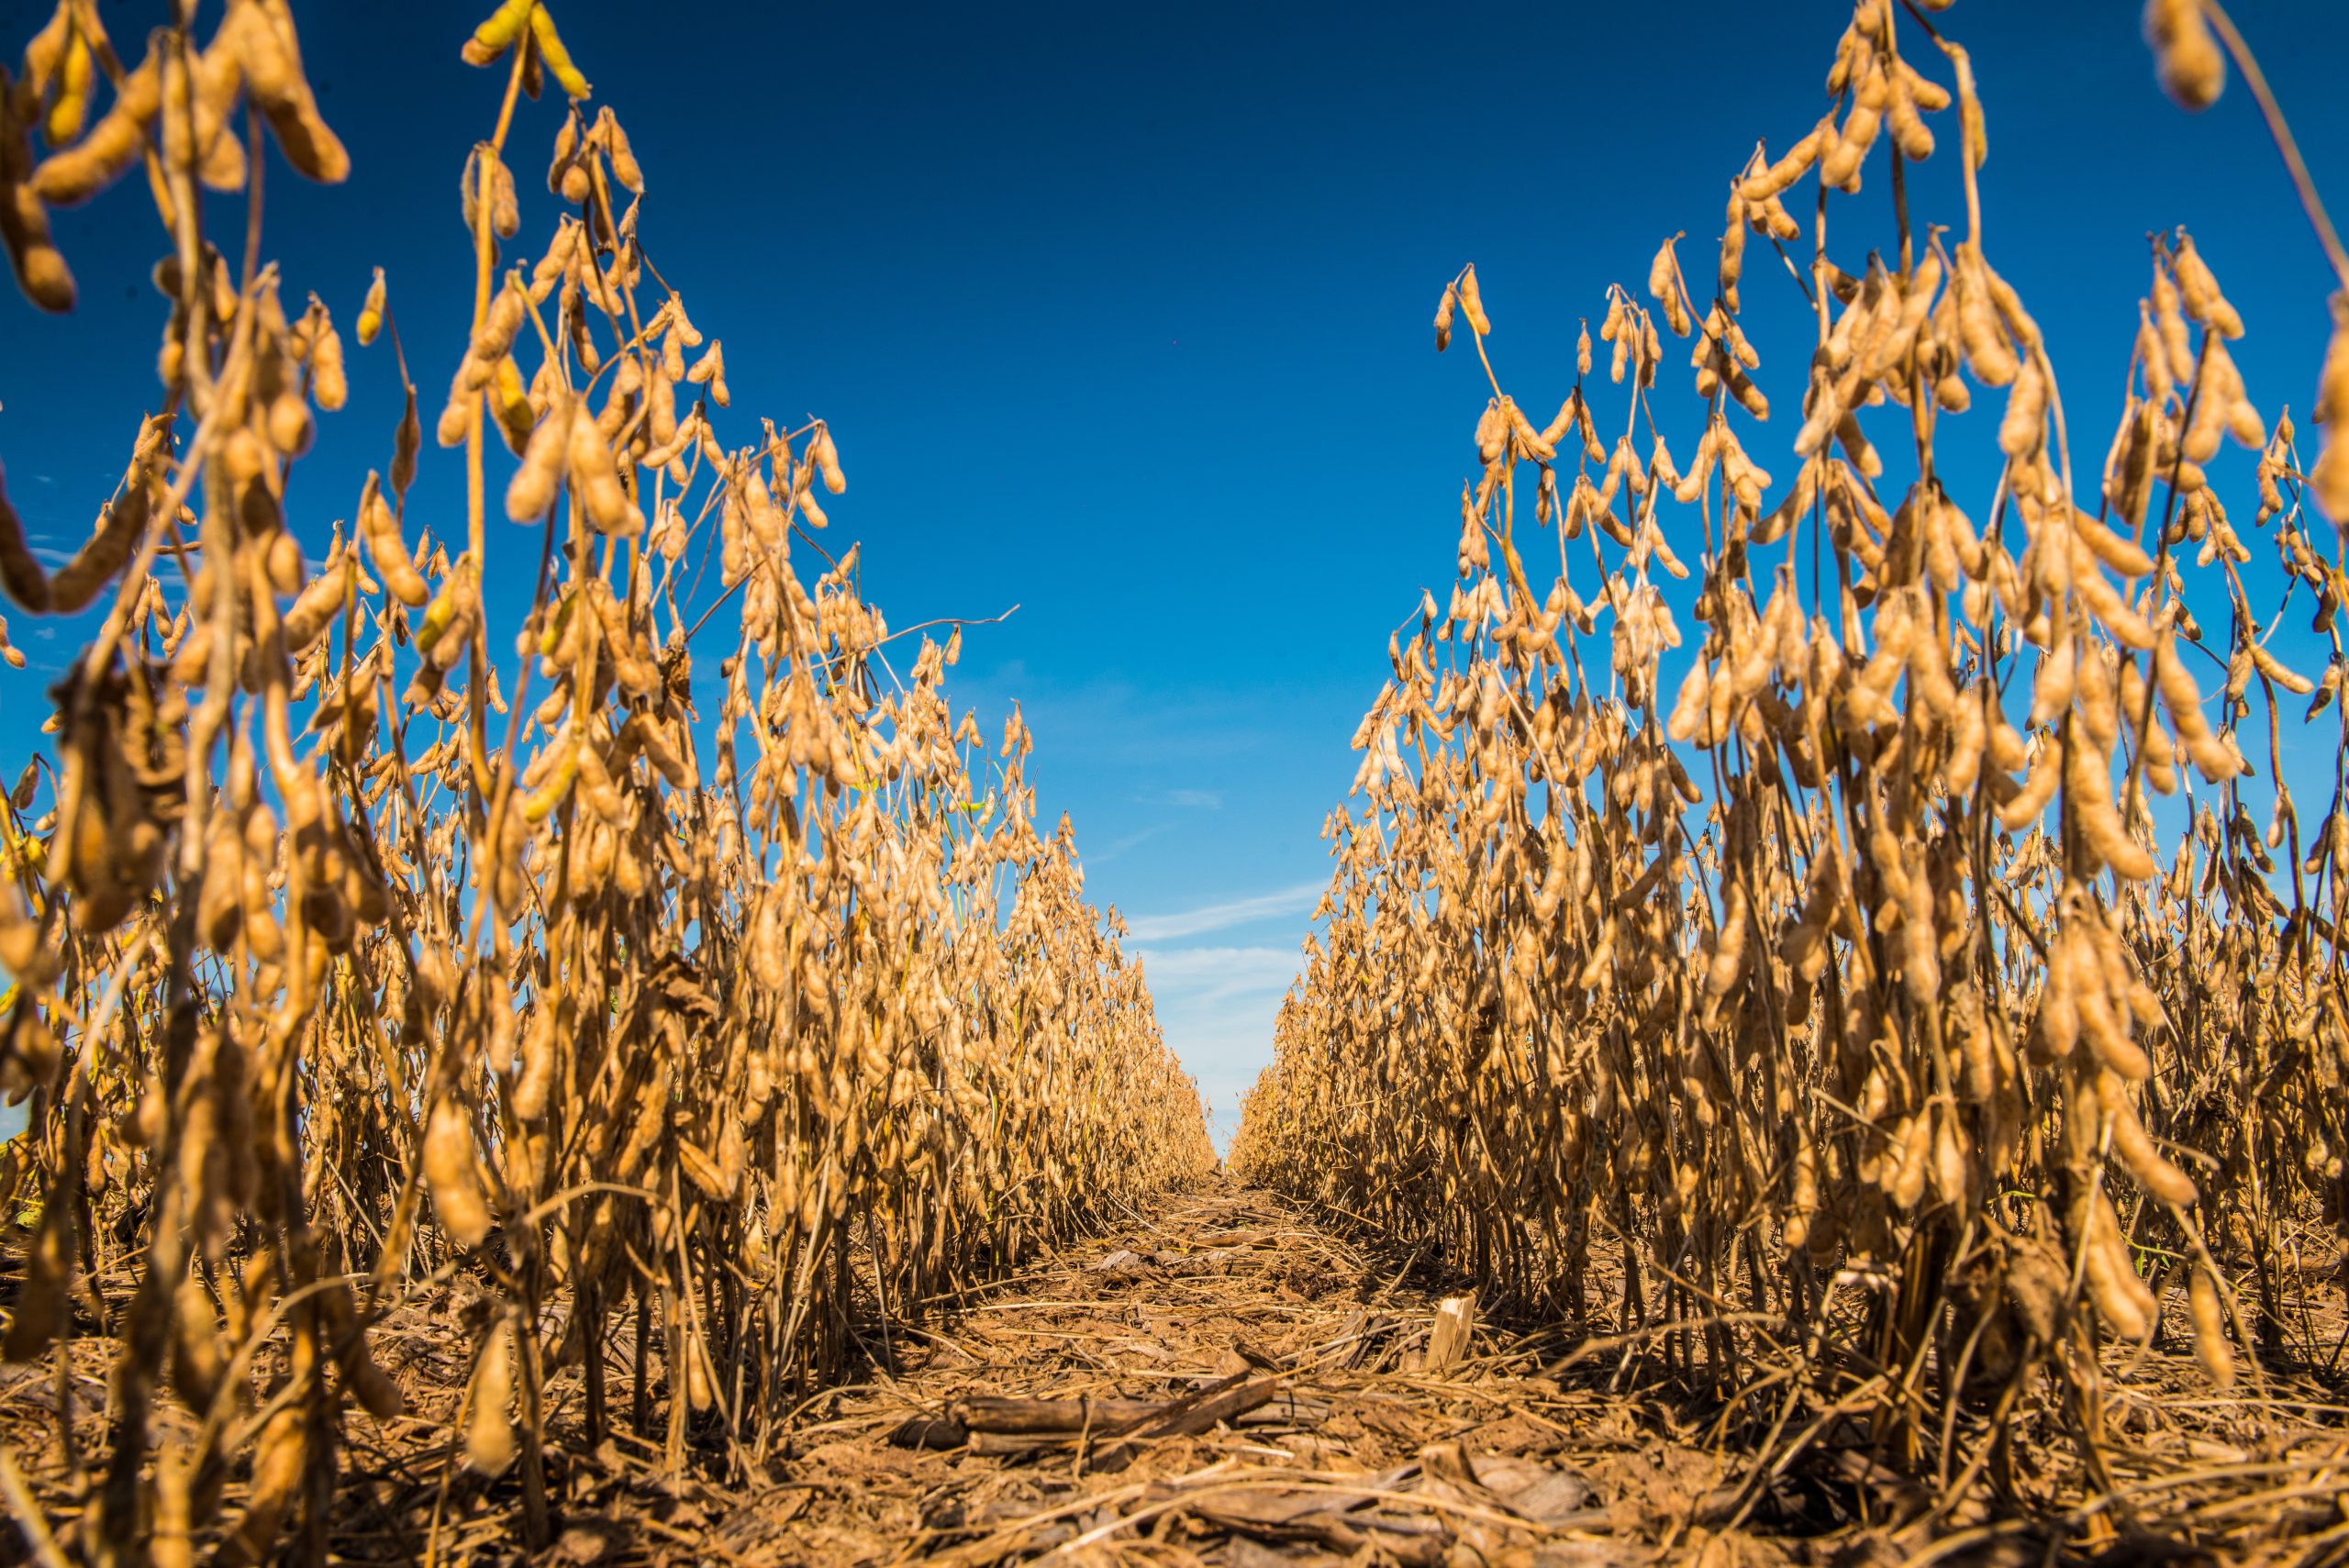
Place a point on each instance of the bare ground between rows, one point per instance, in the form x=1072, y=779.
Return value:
x=1225, y=1380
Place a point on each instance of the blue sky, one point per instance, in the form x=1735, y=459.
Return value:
x=1121, y=314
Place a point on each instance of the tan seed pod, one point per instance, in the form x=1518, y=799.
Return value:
x=1780, y=175
x=710, y=370
x=280, y=1459
x=120, y=527
x=1909, y=132
x=315, y=607
x=2211, y=1347
x=33, y=256
x=510, y=403
x=198, y=1364
x=505, y=211
x=2120, y=1294
x=616, y=145
x=2276, y=670
x=380, y=532
x=537, y=1078
x=828, y=462
x=20, y=572
x=1989, y=353
x=2163, y=1180
x=2192, y=70
x=2054, y=682
x=1840, y=169
x=1472, y=303
x=2329, y=475
x=490, y=1446
x=2025, y=429
x=2200, y=290
x=545, y=461
x=1664, y=288
x=2170, y=330
x=589, y=460
x=262, y=38
x=73, y=176
x=451, y=1175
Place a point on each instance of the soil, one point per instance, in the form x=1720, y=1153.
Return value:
x=1226, y=1379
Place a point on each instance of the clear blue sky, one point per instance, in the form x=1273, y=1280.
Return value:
x=1120, y=313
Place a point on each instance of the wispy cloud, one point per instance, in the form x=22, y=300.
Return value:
x=1294, y=900
x=1116, y=847
x=1200, y=975
x=1156, y=731
x=1217, y=1006
x=1191, y=799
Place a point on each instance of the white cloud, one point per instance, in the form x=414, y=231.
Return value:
x=1294, y=900
x=1199, y=975
x=1216, y=1006
x=1119, y=847
x=1195, y=799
